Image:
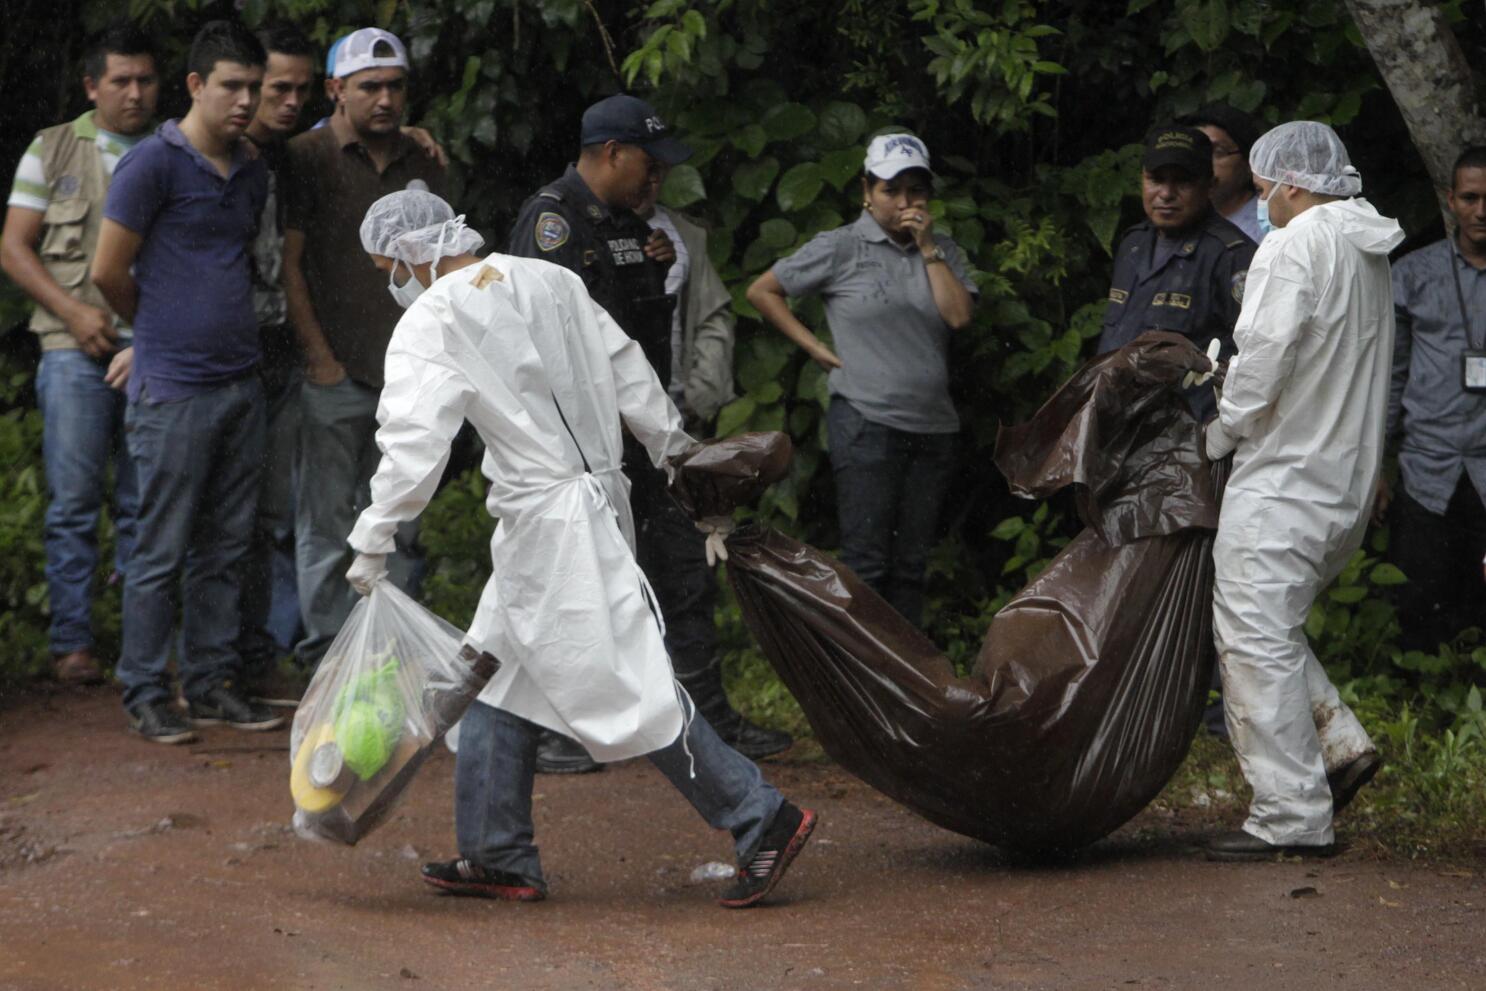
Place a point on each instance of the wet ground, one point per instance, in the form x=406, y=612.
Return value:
x=129, y=865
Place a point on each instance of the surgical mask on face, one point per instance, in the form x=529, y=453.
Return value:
x=1265, y=227
x=410, y=290
x=406, y=293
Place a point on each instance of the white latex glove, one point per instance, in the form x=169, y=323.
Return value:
x=1214, y=346
x=717, y=529
x=366, y=571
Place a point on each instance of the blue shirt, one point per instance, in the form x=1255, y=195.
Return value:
x=1191, y=285
x=1443, y=426
x=195, y=326
x=885, y=325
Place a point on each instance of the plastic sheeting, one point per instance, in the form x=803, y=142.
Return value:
x=1090, y=683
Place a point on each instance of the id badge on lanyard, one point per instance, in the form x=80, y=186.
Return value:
x=1473, y=371
x=1472, y=362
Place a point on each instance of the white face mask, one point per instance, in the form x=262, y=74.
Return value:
x=409, y=291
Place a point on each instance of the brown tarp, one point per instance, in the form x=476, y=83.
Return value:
x=1091, y=681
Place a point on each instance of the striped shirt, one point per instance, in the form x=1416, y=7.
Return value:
x=30, y=190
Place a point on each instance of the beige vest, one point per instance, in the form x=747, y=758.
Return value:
x=73, y=167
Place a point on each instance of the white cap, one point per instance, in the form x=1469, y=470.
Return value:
x=1305, y=154
x=417, y=227
x=354, y=52
x=889, y=154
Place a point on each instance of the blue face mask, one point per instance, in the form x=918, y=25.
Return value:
x=1265, y=227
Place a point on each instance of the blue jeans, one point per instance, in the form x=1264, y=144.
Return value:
x=497, y=762
x=270, y=595
x=82, y=430
x=338, y=455
x=890, y=487
x=198, y=461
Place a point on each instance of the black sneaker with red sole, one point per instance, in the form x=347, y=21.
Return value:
x=782, y=842
x=462, y=877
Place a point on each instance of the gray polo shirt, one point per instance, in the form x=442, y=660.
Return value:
x=1443, y=426
x=893, y=344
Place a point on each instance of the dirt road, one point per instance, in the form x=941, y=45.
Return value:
x=126, y=865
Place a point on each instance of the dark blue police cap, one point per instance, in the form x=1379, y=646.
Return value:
x=630, y=120
x=1184, y=147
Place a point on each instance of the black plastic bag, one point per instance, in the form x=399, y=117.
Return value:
x=1090, y=683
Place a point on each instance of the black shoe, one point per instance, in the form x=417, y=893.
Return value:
x=556, y=754
x=223, y=705
x=159, y=723
x=277, y=685
x=1240, y=845
x=461, y=877
x=749, y=739
x=782, y=841
x=1347, y=780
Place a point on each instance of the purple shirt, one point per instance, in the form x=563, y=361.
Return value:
x=195, y=327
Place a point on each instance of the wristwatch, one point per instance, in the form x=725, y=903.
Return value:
x=934, y=254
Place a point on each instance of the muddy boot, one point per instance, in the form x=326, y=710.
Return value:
x=1346, y=781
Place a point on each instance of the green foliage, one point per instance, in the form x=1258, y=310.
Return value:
x=456, y=534
x=23, y=591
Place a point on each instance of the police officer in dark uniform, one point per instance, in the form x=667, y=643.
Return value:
x=1183, y=268
x=585, y=221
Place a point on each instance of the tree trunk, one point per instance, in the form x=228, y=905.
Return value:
x=1427, y=74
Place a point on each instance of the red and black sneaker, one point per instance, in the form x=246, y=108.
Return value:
x=782, y=842
x=461, y=877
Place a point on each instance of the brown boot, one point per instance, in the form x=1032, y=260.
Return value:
x=77, y=667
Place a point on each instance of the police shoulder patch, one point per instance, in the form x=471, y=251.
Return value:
x=551, y=231
x=1235, y=286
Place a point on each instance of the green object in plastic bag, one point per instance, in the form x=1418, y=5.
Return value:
x=369, y=715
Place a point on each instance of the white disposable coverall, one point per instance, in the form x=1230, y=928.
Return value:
x=1303, y=411
x=517, y=347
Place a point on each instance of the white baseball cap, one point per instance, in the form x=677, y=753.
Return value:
x=353, y=53
x=889, y=154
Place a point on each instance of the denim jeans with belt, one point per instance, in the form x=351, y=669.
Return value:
x=890, y=487
x=497, y=763
x=198, y=461
x=338, y=455
x=82, y=431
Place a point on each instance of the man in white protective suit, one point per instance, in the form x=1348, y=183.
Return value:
x=1303, y=411
x=516, y=347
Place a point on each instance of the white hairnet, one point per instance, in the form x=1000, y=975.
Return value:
x=417, y=227
x=1308, y=155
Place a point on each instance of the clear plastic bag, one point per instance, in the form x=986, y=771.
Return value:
x=392, y=684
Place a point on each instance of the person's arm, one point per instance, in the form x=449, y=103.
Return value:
x=428, y=144
x=644, y=406
x=709, y=375
x=1278, y=300
x=1403, y=349
x=542, y=230
x=112, y=261
x=768, y=297
x=951, y=297
x=117, y=376
x=422, y=405
x=320, y=364
x=93, y=328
